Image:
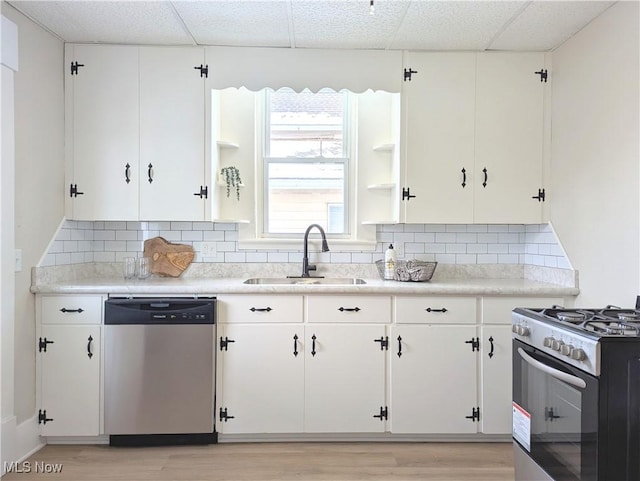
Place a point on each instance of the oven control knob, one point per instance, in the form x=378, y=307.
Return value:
x=548, y=341
x=523, y=331
x=556, y=344
x=578, y=354
x=566, y=349
x=514, y=329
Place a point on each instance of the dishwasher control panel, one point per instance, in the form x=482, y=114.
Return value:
x=159, y=311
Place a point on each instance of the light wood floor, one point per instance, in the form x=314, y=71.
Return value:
x=278, y=461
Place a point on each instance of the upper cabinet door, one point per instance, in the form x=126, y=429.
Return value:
x=509, y=137
x=104, y=145
x=172, y=137
x=438, y=120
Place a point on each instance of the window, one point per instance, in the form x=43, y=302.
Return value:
x=306, y=161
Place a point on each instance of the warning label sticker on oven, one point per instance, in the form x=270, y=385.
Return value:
x=522, y=426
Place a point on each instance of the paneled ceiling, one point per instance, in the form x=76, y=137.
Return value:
x=394, y=24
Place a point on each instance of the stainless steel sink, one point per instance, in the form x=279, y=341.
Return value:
x=336, y=281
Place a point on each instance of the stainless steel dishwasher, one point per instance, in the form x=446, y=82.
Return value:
x=159, y=368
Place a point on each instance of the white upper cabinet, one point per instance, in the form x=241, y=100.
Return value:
x=509, y=137
x=438, y=105
x=102, y=148
x=135, y=133
x=172, y=137
x=473, y=138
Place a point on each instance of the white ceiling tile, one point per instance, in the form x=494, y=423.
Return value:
x=346, y=23
x=237, y=23
x=396, y=24
x=140, y=22
x=454, y=25
x=546, y=25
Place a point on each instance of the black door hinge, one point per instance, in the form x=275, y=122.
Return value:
x=42, y=344
x=75, y=66
x=406, y=193
x=224, y=416
x=384, y=413
x=384, y=342
x=475, y=414
x=204, y=192
x=204, y=70
x=408, y=73
x=549, y=415
x=73, y=190
x=540, y=196
x=475, y=343
x=224, y=343
x=543, y=74
x=42, y=417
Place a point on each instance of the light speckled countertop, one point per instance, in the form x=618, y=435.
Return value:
x=514, y=280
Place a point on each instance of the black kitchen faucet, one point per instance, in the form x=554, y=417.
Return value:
x=306, y=267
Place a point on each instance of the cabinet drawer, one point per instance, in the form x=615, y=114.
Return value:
x=71, y=309
x=259, y=308
x=435, y=310
x=339, y=308
x=497, y=310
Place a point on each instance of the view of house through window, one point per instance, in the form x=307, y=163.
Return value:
x=306, y=161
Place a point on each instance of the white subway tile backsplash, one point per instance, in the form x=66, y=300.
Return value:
x=84, y=241
x=192, y=235
x=442, y=237
x=181, y=225
x=126, y=235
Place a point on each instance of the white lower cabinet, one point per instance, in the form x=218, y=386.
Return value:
x=433, y=379
x=260, y=378
x=344, y=378
x=495, y=366
x=69, y=358
x=433, y=365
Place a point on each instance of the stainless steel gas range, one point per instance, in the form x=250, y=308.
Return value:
x=576, y=394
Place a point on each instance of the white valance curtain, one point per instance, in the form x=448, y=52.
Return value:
x=258, y=68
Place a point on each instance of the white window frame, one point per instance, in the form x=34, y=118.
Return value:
x=347, y=121
x=251, y=235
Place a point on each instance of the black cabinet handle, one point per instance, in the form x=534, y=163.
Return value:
x=399, y=346
x=464, y=178
x=89, y=353
x=127, y=173
x=486, y=177
x=150, y=172
x=349, y=309
x=260, y=309
x=224, y=343
x=79, y=310
x=295, y=345
x=313, y=345
x=444, y=309
x=491, y=343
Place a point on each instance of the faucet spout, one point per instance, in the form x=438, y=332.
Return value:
x=306, y=267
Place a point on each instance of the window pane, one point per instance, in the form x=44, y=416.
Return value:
x=300, y=194
x=306, y=124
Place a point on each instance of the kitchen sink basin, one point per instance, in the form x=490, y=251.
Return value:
x=336, y=281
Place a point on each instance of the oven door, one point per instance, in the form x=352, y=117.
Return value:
x=555, y=418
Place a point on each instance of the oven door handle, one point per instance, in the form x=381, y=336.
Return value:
x=562, y=376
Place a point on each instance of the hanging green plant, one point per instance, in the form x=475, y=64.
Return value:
x=232, y=178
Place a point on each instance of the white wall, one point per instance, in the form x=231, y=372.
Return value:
x=595, y=156
x=9, y=64
x=39, y=183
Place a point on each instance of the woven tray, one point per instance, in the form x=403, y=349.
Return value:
x=410, y=270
